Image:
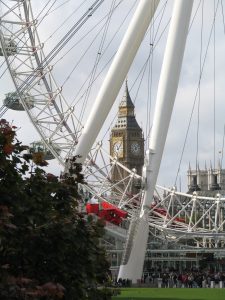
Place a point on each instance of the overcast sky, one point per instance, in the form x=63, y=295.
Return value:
x=196, y=54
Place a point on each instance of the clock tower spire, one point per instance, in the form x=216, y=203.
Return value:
x=126, y=139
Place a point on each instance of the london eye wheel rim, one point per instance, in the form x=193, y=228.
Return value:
x=51, y=119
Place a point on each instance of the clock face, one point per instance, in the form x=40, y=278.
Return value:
x=135, y=148
x=118, y=148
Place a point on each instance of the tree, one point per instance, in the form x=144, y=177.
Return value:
x=48, y=250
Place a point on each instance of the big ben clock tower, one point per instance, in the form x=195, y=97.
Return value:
x=126, y=139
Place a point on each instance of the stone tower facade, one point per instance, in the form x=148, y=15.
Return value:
x=206, y=180
x=126, y=139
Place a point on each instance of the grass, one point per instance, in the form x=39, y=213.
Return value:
x=170, y=294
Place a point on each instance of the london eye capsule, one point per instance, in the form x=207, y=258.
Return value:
x=40, y=147
x=9, y=47
x=12, y=101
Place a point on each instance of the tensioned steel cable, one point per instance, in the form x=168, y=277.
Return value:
x=155, y=42
x=59, y=6
x=2, y=112
x=88, y=47
x=99, y=51
x=149, y=63
x=222, y=152
x=142, y=70
x=42, y=10
x=199, y=94
x=150, y=74
x=221, y=3
x=24, y=42
x=61, y=44
x=64, y=21
x=2, y=64
x=149, y=90
x=107, y=63
x=108, y=16
x=151, y=31
x=196, y=94
x=214, y=89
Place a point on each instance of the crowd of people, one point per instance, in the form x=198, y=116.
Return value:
x=187, y=278
x=175, y=279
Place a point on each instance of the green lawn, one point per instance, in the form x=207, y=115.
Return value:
x=168, y=294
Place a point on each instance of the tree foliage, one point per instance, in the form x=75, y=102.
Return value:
x=48, y=250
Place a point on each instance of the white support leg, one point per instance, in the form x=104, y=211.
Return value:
x=116, y=75
x=167, y=90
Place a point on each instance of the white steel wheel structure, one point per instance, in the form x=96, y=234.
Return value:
x=172, y=213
